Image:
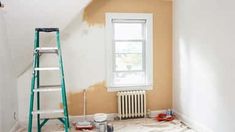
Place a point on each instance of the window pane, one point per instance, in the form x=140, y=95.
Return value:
x=128, y=47
x=128, y=31
x=129, y=78
x=128, y=62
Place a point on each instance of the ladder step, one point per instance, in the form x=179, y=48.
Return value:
x=52, y=118
x=50, y=86
x=47, y=69
x=47, y=29
x=47, y=90
x=37, y=112
x=47, y=49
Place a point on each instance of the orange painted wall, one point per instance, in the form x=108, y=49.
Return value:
x=98, y=99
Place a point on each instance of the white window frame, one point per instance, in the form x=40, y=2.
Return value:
x=148, y=17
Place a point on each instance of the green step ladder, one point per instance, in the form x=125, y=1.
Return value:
x=37, y=88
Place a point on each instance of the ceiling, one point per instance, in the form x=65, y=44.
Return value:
x=23, y=16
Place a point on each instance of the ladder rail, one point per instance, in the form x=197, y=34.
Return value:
x=64, y=98
x=32, y=87
x=38, y=83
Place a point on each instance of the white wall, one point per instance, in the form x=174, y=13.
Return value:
x=83, y=50
x=204, y=63
x=8, y=91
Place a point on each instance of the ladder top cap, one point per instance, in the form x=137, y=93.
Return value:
x=47, y=29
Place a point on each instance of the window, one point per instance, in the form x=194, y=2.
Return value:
x=129, y=51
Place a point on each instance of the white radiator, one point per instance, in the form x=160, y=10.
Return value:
x=131, y=104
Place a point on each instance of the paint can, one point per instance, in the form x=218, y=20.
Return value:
x=169, y=112
x=101, y=126
x=110, y=127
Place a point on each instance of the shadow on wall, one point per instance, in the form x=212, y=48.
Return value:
x=96, y=95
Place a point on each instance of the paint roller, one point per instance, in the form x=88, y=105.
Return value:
x=84, y=124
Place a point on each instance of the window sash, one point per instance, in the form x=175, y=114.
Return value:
x=143, y=55
x=128, y=20
x=142, y=67
x=143, y=40
x=142, y=22
x=130, y=40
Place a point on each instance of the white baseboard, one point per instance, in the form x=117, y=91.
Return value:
x=16, y=127
x=192, y=123
x=112, y=116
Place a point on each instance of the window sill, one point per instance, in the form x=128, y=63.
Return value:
x=129, y=88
